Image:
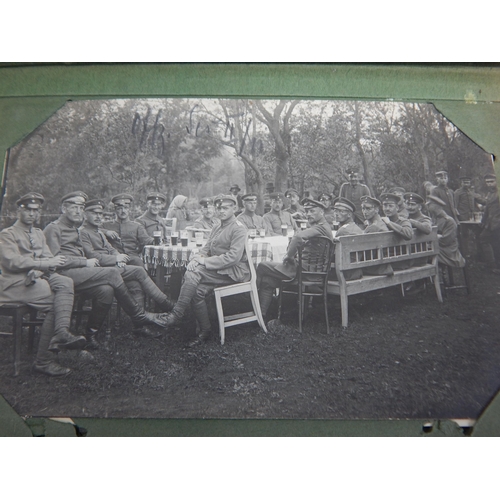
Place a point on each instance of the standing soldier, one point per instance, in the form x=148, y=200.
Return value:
x=126, y=236
x=234, y=190
x=490, y=234
x=445, y=194
x=277, y=217
x=326, y=199
x=28, y=277
x=267, y=199
x=353, y=191
x=151, y=219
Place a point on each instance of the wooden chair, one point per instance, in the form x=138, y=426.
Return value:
x=17, y=312
x=237, y=288
x=314, y=281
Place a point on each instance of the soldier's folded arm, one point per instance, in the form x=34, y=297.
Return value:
x=105, y=260
x=53, y=238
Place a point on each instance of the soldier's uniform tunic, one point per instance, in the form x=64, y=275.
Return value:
x=377, y=225
x=270, y=274
x=203, y=223
x=225, y=264
x=354, y=194
x=254, y=222
x=449, y=253
x=96, y=246
x=445, y=194
x=24, y=251
x=152, y=223
x=274, y=222
x=133, y=237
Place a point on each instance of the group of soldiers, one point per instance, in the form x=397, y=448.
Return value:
x=82, y=253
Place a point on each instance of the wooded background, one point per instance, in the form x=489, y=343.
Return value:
x=199, y=147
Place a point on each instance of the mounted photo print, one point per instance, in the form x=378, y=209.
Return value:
x=245, y=258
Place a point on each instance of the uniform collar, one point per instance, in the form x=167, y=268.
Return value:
x=227, y=222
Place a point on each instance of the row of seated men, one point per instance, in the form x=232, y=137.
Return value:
x=44, y=269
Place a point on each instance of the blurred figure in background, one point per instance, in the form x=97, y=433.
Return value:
x=177, y=210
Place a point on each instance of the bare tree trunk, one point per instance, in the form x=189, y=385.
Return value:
x=359, y=146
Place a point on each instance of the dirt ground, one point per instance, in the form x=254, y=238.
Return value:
x=408, y=357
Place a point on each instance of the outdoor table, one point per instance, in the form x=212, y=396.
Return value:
x=167, y=259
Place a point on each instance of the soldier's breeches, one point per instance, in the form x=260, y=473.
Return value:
x=131, y=274
x=62, y=287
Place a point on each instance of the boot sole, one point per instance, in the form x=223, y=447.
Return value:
x=52, y=374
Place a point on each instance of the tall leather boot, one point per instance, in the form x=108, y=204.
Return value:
x=201, y=313
x=154, y=293
x=136, y=312
x=96, y=319
x=62, y=287
x=265, y=298
x=174, y=317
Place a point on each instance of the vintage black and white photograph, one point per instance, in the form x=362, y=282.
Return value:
x=239, y=258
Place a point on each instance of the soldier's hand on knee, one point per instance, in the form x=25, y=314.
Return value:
x=57, y=261
x=122, y=258
x=92, y=263
x=112, y=235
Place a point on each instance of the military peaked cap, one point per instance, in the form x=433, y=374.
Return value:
x=155, y=196
x=291, y=190
x=276, y=196
x=91, y=205
x=30, y=198
x=205, y=202
x=249, y=197
x=440, y=173
x=369, y=199
x=390, y=197
x=434, y=199
x=344, y=203
x=75, y=197
x=397, y=189
x=413, y=197
x=235, y=186
x=122, y=199
x=221, y=198
x=309, y=203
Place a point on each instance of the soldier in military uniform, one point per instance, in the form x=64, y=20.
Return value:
x=267, y=200
x=222, y=261
x=235, y=190
x=445, y=194
x=326, y=199
x=126, y=236
x=151, y=219
x=490, y=234
x=353, y=191
x=277, y=217
x=139, y=284
x=207, y=220
x=27, y=276
x=392, y=218
x=371, y=212
x=100, y=283
x=295, y=208
x=374, y=224
x=249, y=218
x=400, y=191
x=270, y=274
x=449, y=254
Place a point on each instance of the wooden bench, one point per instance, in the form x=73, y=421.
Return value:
x=365, y=251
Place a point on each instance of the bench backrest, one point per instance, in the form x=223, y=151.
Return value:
x=365, y=250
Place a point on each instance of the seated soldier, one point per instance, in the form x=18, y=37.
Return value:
x=249, y=218
x=126, y=236
x=374, y=224
x=276, y=217
x=327, y=199
x=27, y=276
x=449, y=254
x=95, y=245
x=371, y=212
x=100, y=283
x=418, y=220
x=270, y=274
x=392, y=218
x=400, y=191
x=220, y=262
x=151, y=219
x=295, y=209
x=207, y=219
